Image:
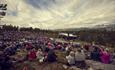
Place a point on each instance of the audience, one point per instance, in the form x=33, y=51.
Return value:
x=43, y=49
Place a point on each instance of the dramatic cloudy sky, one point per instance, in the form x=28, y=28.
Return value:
x=57, y=14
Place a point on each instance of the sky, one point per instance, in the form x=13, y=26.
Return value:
x=59, y=14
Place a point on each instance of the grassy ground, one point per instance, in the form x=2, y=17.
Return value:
x=35, y=65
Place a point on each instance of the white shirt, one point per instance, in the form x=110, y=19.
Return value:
x=71, y=59
x=79, y=56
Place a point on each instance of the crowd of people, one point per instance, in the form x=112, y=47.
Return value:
x=41, y=48
x=90, y=52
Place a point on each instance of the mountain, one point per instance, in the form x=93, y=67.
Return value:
x=110, y=27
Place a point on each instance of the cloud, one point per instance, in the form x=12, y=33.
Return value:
x=59, y=14
x=40, y=4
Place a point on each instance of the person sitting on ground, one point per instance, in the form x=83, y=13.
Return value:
x=8, y=50
x=68, y=49
x=32, y=54
x=51, y=57
x=5, y=62
x=40, y=55
x=49, y=45
x=58, y=46
x=105, y=56
x=71, y=58
x=95, y=55
x=80, y=59
x=113, y=57
x=28, y=46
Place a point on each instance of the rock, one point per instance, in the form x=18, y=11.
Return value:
x=90, y=68
x=65, y=66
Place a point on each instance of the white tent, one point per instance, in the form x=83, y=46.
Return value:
x=64, y=34
x=71, y=35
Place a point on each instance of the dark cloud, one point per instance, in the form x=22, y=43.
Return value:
x=41, y=4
